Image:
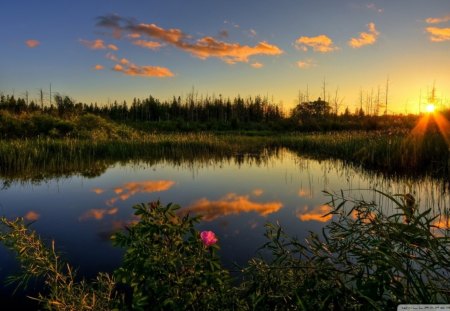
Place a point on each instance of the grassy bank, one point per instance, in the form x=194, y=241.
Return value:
x=398, y=153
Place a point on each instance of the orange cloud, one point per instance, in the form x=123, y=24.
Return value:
x=113, y=47
x=31, y=216
x=202, y=48
x=98, y=67
x=172, y=35
x=124, y=61
x=438, y=34
x=32, y=43
x=228, y=52
x=316, y=214
x=152, y=45
x=365, y=38
x=129, y=189
x=144, y=71
x=305, y=64
x=231, y=204
x=321, y=43
x=437, y=20
x=128, y=68
x=98, y=213
x=98, y=44
x=257, y=65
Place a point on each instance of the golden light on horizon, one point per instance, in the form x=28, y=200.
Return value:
x=430, y=108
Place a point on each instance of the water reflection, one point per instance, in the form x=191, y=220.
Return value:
x=232, y=204
x=31, y=216
x=318, y=213
x=129, y=189
x=236, y=195
x=304, y=193
x=98, y=213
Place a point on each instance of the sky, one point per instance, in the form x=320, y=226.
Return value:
x=106, y=50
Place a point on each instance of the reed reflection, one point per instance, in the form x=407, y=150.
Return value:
x=231, y=204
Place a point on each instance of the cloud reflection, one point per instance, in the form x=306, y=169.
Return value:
x=440, y=225
x=304, y=193
x=31, y=216
x=231, y=204
x=129, y=189
x=125, y=191
x=98, y=213
x=316, y=214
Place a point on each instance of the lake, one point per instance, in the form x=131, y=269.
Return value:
x=236, y=194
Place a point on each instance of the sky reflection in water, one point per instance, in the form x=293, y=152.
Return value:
x=236, y=198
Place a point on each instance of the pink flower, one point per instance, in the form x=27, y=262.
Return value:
x=208, y=238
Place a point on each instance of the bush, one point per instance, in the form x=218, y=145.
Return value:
x=166, y=266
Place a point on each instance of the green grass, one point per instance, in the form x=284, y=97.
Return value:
x=395, y=153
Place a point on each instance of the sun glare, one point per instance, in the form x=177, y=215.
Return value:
x=430, y=108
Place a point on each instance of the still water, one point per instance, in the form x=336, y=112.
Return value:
x=237, y=196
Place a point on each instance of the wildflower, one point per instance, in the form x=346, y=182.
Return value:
x=208, y=238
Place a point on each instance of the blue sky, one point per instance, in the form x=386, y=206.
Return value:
x=105, y=50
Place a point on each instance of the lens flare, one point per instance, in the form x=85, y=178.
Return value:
x=430, y=108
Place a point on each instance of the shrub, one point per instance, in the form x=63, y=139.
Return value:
x=166, y=266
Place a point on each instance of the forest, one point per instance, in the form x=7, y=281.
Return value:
x=60, y=117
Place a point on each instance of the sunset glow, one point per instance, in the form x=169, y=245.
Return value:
x=275, y=49
x=430, y=108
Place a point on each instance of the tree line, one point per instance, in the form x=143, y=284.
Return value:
x=210, y=113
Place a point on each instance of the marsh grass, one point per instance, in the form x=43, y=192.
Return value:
x=38, y=260
x=45, y=158
x=390, y=152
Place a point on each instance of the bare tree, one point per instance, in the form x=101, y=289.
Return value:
x=387, y=96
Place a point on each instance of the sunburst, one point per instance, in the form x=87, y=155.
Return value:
x=430, y=108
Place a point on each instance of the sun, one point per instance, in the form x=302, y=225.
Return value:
x=430, y=108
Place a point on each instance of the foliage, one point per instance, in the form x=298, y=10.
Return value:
x=365, y=259
x=38, y=261
x=311, y=110
x=192, y=114
x=166, y=265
